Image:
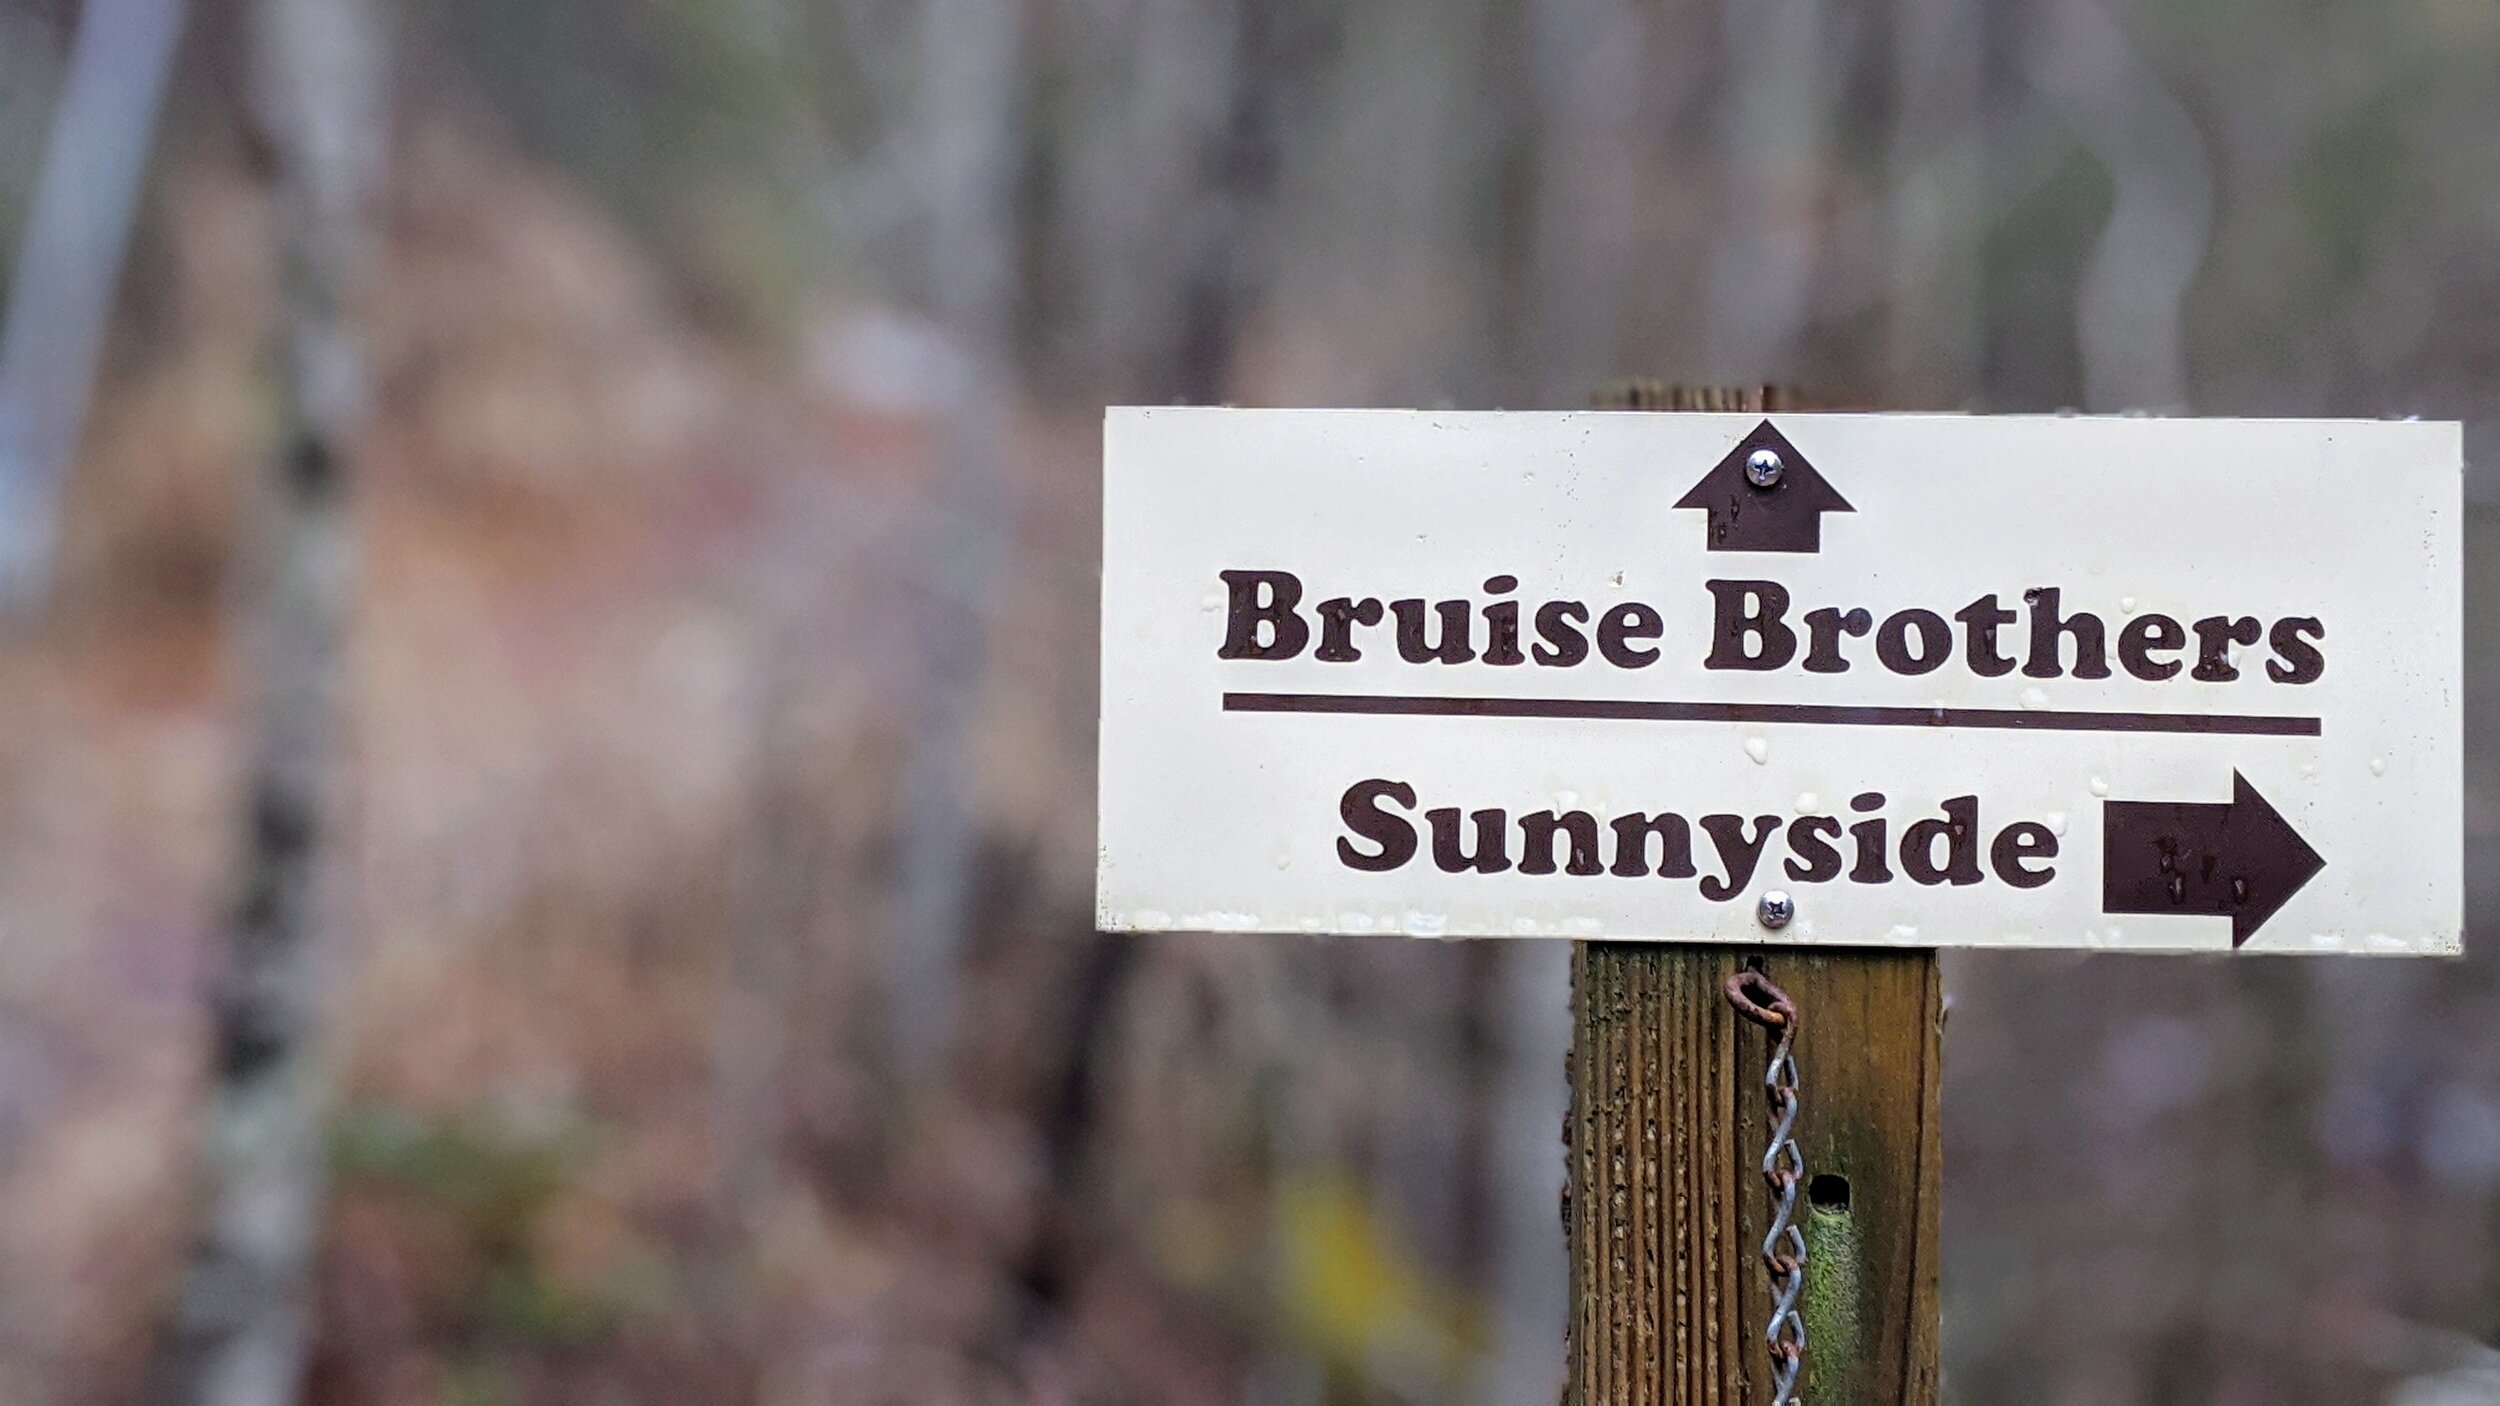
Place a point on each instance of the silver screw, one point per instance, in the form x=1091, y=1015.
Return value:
x=1777, y=909
x=1763, y=468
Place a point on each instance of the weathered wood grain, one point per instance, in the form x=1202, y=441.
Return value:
x=1668, y=1210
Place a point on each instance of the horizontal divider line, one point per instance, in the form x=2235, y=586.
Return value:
x=1827, y=714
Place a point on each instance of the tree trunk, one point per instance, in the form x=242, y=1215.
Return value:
x=1774, y=144
x=241, y=1322
x=61, y=290
x=1939, y=202
x=2131, y=305
x=968, y=146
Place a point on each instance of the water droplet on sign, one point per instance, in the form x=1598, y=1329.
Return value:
x=1759, y=749
x=1808, y=803
x=2099, y=787
x=2056, y=821
x=2378, y=766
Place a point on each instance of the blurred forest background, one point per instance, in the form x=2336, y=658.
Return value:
x=548, y=676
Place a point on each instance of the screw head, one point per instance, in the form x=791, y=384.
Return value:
x=1763, y=468
x=1777, y=908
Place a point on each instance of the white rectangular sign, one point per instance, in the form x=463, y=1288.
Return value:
x=2139, y=684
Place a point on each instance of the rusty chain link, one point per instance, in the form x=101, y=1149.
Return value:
x=1783, y=1169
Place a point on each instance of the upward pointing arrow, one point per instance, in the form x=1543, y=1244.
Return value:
x=1785, y=516
x=2239, y=857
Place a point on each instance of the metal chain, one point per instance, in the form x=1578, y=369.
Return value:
x=1783, y=1169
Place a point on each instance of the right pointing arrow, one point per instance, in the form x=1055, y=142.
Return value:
x=2239, y=857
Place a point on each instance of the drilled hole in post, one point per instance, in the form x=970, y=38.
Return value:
x=1828, y=1192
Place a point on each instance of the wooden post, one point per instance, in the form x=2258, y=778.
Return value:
x=1668, y=1123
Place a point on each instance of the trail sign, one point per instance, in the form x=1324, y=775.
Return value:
x=1923, y=681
